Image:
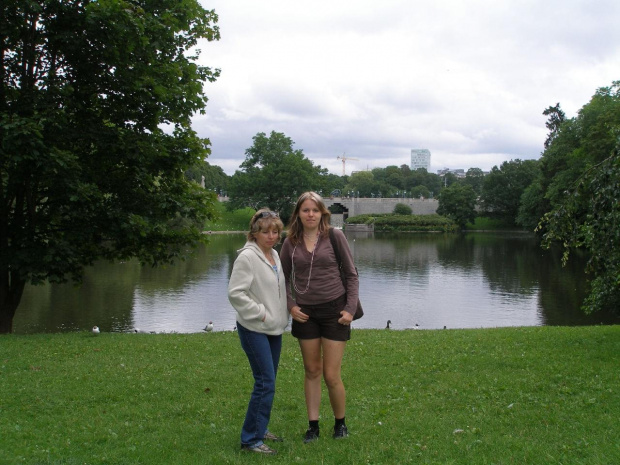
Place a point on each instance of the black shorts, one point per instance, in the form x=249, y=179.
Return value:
x=323, y=321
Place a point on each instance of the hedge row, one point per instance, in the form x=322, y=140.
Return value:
x=390, y=222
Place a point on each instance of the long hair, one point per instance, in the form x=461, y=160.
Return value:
x=296, y=228
x=264, y=219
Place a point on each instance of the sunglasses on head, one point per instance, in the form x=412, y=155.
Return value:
x=267, y=215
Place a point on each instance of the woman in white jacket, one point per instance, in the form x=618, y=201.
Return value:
x=257, y=291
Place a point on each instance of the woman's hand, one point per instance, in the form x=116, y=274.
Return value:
x=345, y=318
x=298, y=315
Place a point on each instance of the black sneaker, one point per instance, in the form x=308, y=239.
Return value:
x=340, y=431
x=311, y=435
x=262, y=449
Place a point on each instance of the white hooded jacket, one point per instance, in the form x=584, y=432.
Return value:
x=257, y=293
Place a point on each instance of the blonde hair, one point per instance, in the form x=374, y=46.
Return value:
x=264, y=219
x=295, y=227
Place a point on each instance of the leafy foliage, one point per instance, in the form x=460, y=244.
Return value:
x=475, y=178
x=393, y=181
x=531, y=208
x=458, y=202
x=273, y=175
x=214, y=177
x=402, y=209
x=388, y=222
x=581, y=171
x=554, y=122
x=86, y=167
x=598, y=232
x=504, y=186
x=363, y=184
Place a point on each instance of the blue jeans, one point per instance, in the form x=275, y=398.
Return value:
x=263, y=352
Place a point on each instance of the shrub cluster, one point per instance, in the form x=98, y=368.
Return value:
x=389, y=222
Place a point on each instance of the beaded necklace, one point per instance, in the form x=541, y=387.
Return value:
x=309, y=272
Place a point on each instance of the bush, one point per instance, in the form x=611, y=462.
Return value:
x=388, y=222
x=402, y=209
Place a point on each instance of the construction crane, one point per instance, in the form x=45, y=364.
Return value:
x=344, y=159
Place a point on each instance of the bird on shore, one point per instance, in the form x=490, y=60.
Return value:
x=209, y=327
x=389, y=322
x=96, y=330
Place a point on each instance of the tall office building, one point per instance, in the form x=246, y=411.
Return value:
x=420, y=158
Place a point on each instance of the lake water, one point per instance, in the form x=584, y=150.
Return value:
x=431, y=280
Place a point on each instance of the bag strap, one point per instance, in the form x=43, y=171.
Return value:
x=335, y=247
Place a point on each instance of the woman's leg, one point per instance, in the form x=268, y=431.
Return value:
x=260, y=355
x=275, y=344
x=333, y=351
x=313, y=367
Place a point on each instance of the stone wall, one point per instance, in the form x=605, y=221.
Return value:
x=359, y=228
x=355, y=206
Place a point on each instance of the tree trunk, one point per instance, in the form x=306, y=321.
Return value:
x=11, y=291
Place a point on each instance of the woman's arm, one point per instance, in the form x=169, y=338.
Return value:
x=241, y=279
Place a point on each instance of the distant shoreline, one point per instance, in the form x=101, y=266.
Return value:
x=521, y=231
x=224, y=232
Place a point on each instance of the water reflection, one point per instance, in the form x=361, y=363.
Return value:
x=440, y=280
x=433, y=280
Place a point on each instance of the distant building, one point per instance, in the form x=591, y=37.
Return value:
x=459, y=172
x=420, y=158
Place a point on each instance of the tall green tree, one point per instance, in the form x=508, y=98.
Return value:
x=458, y=202
x=363, y=182
x=503, y=187
x=329, y=183
x=598, y=231
x=581, y=143
x=215, y=178
x=531, y=206
x=554, y=122
x=87, y=170
x=475, y=178
x=394, y=177
x=581, y=181
x=273, y=175
x=534, y=202
x=420, y=191
x=423, y=178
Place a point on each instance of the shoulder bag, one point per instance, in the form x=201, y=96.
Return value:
x=360, y=311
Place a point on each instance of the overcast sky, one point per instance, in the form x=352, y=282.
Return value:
x=466, y=79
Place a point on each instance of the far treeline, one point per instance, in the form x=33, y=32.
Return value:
x=570, y=196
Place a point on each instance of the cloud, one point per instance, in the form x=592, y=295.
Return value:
x=468, y=80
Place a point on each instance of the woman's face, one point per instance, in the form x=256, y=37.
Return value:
x=309, y=214
x=267, y=238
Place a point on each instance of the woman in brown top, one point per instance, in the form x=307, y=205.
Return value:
x=321, y=308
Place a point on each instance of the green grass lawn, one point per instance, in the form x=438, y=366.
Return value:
x=537, y=395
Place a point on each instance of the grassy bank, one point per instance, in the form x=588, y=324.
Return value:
x=237, y=220
x=540, y=395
